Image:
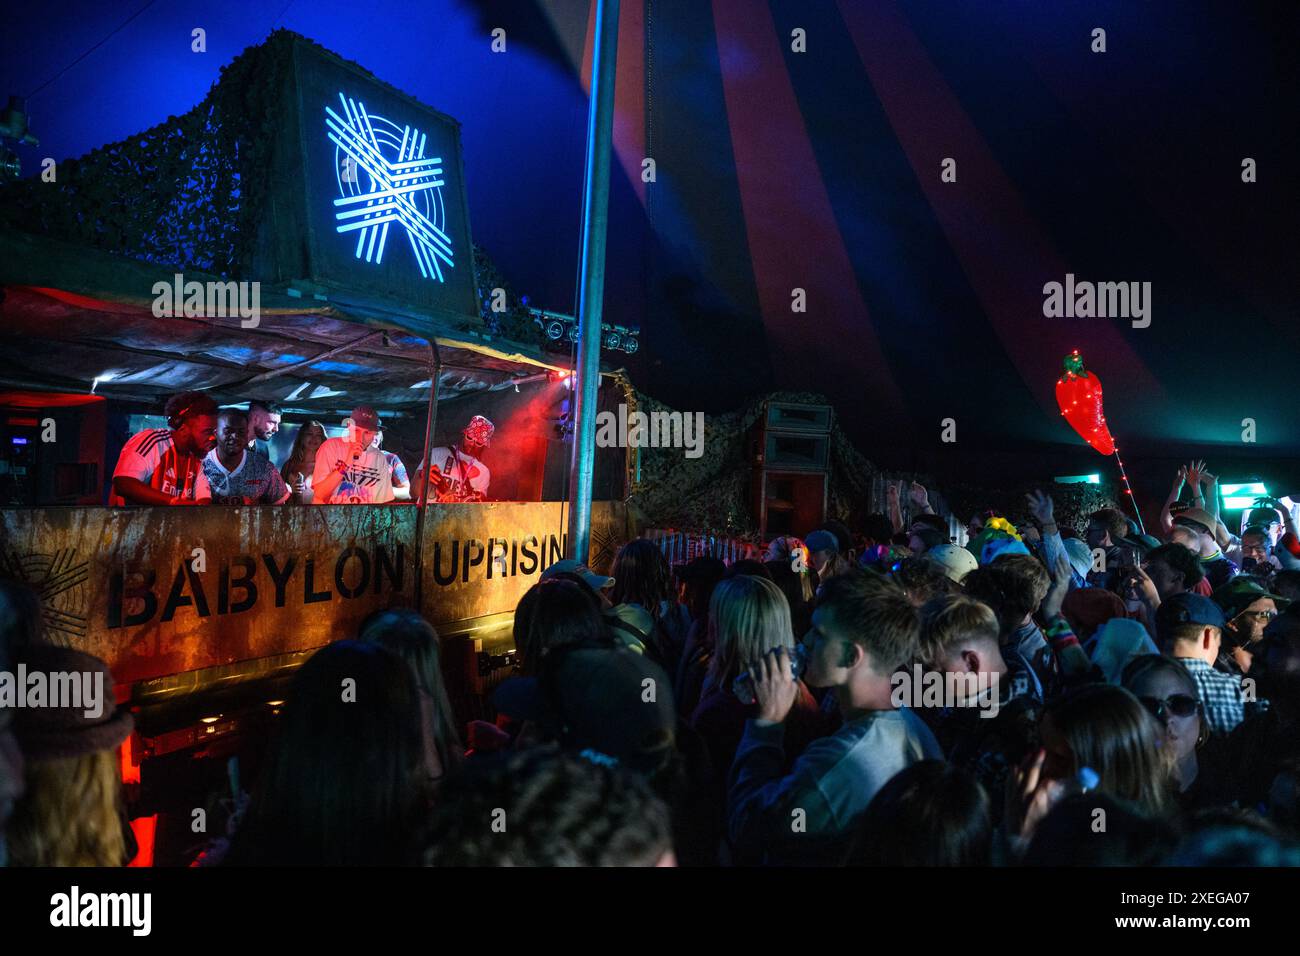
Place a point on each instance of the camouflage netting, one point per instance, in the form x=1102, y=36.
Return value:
x=1073, y=503
x=186, y=192
x=712, y=494
x=515, y=323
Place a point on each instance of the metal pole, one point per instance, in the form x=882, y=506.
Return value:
x=435, y=377
x=591, y=277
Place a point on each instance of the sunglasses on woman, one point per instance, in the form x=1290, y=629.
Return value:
x=1177, y=705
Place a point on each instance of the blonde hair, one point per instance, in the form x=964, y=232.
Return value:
x=951, y=620
x=748, y=616
x=70, y=814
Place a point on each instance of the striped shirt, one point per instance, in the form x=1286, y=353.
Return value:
x=150, y=456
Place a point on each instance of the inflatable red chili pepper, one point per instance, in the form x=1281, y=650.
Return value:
x=1078, y=393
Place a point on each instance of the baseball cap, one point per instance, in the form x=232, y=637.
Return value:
x=606, y=699
x=363, y=416
x=822, y=541
x=1188, y=608
x=1196, y=516
x=1241, y=592
x=954, y=560
x=597, y=582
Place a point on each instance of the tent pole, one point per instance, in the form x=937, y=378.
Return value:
x=591, y=282
x=435, y=377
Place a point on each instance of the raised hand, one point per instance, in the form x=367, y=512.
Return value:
x=774, y=686
x=1055, y=597
x=919, y=496
x=1041, y=507
x=1029, y=797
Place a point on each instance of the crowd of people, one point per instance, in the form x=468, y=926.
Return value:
x=210, y=454
x=1029, y=695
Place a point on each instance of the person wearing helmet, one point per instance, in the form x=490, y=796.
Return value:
x=457, y=473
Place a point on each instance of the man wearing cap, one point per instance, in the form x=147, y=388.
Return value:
x=600, y=583
x=1247, y=609
x=349, y=469
x=1190, y=629
x=458, y=473
x=823, y=554
x=953, y=560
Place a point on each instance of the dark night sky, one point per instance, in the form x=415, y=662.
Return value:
x=821, y=170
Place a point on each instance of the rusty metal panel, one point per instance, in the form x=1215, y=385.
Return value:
x=164, y=591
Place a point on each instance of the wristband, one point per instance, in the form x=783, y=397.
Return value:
x=1059, y=634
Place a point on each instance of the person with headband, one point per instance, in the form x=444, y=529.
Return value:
x=458, y=473
x=349, y=469
x=164, y=466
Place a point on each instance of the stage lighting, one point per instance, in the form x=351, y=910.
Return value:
x=630, y=345
x=555, y=330
x=612, y=340
x=1240, y=495
x=1078, y=480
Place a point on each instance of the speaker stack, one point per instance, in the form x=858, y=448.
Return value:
x=790, y=453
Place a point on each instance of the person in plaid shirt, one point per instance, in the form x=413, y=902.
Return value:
x=1191, y=628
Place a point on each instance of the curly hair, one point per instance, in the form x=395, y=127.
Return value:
x=70, y=814
x=541, y=807
x=1182, y=559
x=187, y=405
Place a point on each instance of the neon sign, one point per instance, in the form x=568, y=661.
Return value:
x=384, y=179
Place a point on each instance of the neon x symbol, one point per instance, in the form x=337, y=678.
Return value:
x=393, y=185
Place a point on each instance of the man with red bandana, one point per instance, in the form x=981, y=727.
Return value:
x=458, y=473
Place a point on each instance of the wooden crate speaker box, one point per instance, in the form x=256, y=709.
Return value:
x=790, y=456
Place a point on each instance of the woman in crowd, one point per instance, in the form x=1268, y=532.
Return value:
x=645, y=602
x=1096, y=737
x=298, y=468
x=552, y=613
x=412, y=638
x=346, y=782
x=748, y=619
x=71, y=813
x=1166, y=689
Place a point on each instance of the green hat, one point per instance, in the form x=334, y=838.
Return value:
x=1240, y=593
